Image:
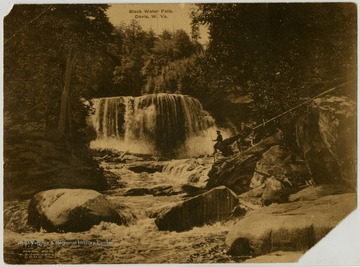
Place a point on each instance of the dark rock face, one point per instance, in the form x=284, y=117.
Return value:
x=149, y=167
x=280, y=162
x=295, y=226
x=279, y=173
x=325, y=151
x=274, y=192
x=139, y=169
x=214, y=205
x=34, y=162
x=237, y=171
x=327, y=136
x=70, y=210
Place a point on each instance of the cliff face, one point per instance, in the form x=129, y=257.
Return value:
x=326, y=134
x=322, y=171
x=35, y=161
x=236, y=171
x=325, y=153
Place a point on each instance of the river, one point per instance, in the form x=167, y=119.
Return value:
x=140, y=241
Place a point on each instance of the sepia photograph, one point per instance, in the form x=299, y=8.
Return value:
x=177, y=133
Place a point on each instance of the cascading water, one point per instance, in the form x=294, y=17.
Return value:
x=141, y=187
x=166, y=124
x=188, y=171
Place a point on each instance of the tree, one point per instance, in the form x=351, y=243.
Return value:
x=278, y=53
x=135, y=47
x=38, y=40
x=183, y=45
x=164, y=68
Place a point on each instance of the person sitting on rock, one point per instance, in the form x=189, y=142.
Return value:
x=218, y=141
x=246, y=138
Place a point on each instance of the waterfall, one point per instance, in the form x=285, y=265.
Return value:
x=164, y=124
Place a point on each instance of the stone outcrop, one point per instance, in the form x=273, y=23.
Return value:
x=327, y=137
x=279, y=162
x=323, y=152
x=295, y=226
x=279, y=173
x=274, y=191
x=34, y=161
x=237, y=171
x=214, y=205
x=70, y=210
x=316, y=192
x=148, y=166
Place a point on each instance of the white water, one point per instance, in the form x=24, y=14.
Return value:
x=154, y=124
x=141, y=241
x=188, y=171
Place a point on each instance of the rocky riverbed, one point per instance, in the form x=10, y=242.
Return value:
x=269, y=202
x=140, y=192
x=140, y=241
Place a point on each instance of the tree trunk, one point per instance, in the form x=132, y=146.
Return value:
x=64, y=125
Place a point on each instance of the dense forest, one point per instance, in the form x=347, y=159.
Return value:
x=261, y=59
x=278, y=54
x=202, y=144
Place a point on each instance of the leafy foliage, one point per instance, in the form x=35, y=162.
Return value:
x=133, y=47
x=278, y=53
x=38, y=40
x=261, y=58
x=172, y=55
x=149, y=63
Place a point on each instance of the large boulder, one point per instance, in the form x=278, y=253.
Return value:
x=70, y=210
x=295, y=226
x=279, y=173
x=274, y=191
x=214, y=205
x=279, y=161
x=327, y=136
x=316, y=192
x=237, y=171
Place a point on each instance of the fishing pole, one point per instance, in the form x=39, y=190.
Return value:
x=300, y=105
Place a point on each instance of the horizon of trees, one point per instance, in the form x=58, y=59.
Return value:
x=261, y=59
x=148, y=62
